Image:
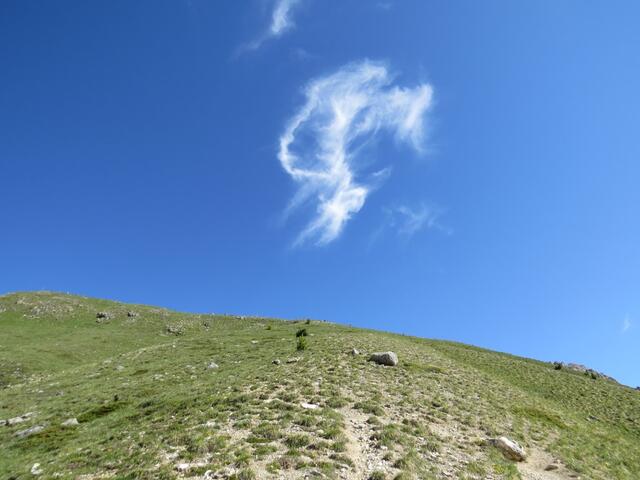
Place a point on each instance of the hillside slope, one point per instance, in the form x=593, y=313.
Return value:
x=161, y=394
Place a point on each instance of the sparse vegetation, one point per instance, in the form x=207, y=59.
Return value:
x=148, y=407
x=301, y=344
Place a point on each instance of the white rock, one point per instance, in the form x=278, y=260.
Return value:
x=212, y=366
x=29, y=431
x=510, y=448
x=70, y=422
x=384, y=358
x=17, y=420
x=309, y=406
x=36, y=470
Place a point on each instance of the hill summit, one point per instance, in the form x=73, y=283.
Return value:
x=93, y=389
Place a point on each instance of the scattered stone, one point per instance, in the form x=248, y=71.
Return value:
x=71, y=422
x=102, y=316
x=293, y=360
x=384, y=358
x=212, y=366
x=550, y=467
x=276, y=361
x=132, y=314
x=174, y=329
x=355, y=351
x=254, y=342
x=36, y=470
x=309, y=406
x=184, y=467
x=17, y=420
x=29, y=431
x=510, y=448
x=119, y=368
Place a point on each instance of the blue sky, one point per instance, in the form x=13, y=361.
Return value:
x=462, y=170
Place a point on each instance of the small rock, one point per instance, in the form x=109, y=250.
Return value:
x=29, y=431
x=119, y=368
x=17, y=420
x=276, y=361
x=254, y=342
x=309, y=406
x=104, y=316
x=70, y=422
x=510, y=448
x=551, y=466
x=293, y=360
x=36, y=470
x=212, y=366
x=384, y=358
x=174, y=329
x=132, y=314
x=355, y=351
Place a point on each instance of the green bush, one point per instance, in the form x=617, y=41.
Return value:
x=302, y=332
x=302, y=344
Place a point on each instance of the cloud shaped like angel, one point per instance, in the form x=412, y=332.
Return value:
x=322, y=142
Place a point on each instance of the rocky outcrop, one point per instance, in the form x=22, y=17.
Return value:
x=578, y=368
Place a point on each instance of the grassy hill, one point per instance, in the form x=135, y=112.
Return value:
x=151, y=405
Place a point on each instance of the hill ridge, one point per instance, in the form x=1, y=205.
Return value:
x=149, y=403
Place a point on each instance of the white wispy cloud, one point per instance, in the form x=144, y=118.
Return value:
x=281, y=22
x=626, y=324
x=407, y=221
x=323, y=141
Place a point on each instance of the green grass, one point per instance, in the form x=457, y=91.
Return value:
x=147, y=404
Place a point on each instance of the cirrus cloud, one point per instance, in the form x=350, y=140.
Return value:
x=281, y=22
x=322, y=143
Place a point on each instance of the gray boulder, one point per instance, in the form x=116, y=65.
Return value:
x=70, y=422
x=389, y=359
x=17, y=420
x=29, y=431
x=509, y=448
